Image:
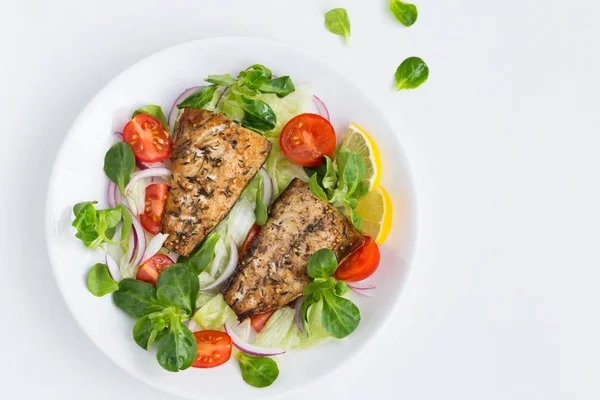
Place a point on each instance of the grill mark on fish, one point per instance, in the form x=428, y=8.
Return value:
x=207, y=176
x=300, y=224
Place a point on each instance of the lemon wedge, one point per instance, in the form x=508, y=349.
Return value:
x=376, y=211
x=359, y=141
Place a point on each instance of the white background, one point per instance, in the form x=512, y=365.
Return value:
x=502, y=302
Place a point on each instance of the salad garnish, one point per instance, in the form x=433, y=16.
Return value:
x=238, y=96
x=340, y=316
x=204, y=254
x=97, y=227
x=213, y=254
x=259, y=372
x=214, y=349
x=161, y=311
x=119, y=163
x=342, y=185
x=100, y=282
x=361, y=264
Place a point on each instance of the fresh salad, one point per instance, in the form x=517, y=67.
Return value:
x=237, y=224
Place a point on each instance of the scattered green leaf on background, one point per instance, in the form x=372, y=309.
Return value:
x=405, y=13
x=411, y=73
x=338, y=22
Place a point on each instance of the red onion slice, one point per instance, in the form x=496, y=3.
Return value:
x=298, y=320
x=322, y=109
x=174, y=110
x=110, y=194
x=118, y=136
x=113, y=267
x=138, y=230
x=363, y=293
x=154, y=246
x=132, y=247
x=230, y=269
x=362, y=289
x=113, y=195
x=267, y=187
x=250, y=348
x=142, y=165
x=147, y=173
x=360, y=286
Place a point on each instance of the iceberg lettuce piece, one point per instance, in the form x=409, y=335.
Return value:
x=205, y=295
x=240, y=220
x=276, y=328
x=219, y=261
x=214, y=314
x=287, y=107
x=282, y=170
x=281, y=331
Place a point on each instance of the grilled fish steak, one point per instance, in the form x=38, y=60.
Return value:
x=273, y=273
x=214, y=159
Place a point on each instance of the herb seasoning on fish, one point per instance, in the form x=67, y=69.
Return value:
x=300, y=224
x=214, y=159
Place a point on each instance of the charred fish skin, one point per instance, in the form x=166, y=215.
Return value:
x=272, y=272
x=213, y=159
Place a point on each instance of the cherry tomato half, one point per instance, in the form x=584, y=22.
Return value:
x=153, y=266
x=251, y=235
x=148, y=138
x=258, y=321
x=214, y=349
x=306, y=138
x=154, y=207
x=360, y=264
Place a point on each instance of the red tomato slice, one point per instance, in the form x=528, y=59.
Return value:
x=258, y=321
x=306, y=138
x=214, y=349
x=360, y=264
x=150, y=270
x=148, y=138
x=251, y=235
x=154, y=207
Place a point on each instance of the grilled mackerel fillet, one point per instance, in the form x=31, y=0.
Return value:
x=214, y=159
x=272, y=273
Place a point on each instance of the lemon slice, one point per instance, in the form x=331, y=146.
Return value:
x=359, y=141
x=376, y=211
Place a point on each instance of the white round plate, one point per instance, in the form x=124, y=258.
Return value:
x=78, y=176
